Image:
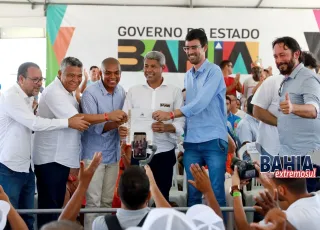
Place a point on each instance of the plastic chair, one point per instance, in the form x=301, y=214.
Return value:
x=179, y=197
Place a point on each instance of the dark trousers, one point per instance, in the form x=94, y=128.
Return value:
x=51, y=184
x=162, y=169
x=20, y=188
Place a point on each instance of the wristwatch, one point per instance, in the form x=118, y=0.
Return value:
x=235, y=189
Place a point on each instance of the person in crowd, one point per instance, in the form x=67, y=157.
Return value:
x=309, y=61
x=206, y=120
x=17, y=121
x=250, y=84
x=103, y=97
x=266, y=109
x=247, y=130
x=156, y=94
x=95, y=74
x=233, y=84
x=299, y=120
x=58, y=151
x=136, y=186
x=234, y=109
x=289, y=194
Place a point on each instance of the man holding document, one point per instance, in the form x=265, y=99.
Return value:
x=206, y=137
x=142, y=101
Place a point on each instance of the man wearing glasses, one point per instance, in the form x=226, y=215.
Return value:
x=206, y=136
x=17, y=121
x=299, y=92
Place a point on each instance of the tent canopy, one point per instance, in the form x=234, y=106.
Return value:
x=179, y=3
x=31, y=13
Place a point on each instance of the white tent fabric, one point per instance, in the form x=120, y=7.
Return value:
x=31, y=13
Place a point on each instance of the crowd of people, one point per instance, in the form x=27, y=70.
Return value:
x=69, y=144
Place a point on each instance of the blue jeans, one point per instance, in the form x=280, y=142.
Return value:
x=20, y=188
x=213, y=154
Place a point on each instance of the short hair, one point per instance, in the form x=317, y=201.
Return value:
x=156, y=55
x=94, y=67
x=62, y=225
x=228, y=99
x=308, y=60
x=291, y=43
x=249, y=105
x=183, y=90
x=294, y=185
x=133, y=187
x=224, y=63
x=110, y=60
x=199, y=35
x=239, y=101
x=70, y=61
x=23, y=69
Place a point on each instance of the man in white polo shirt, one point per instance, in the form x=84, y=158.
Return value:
x=155, y=94
x=17, y=121
x=56, y=152
x=266, y=108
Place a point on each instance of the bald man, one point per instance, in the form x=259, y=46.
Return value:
x=103, y=96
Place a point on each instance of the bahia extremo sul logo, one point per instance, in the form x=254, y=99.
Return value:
x=288, y=166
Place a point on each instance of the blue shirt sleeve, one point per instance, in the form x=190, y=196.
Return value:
x=90, y=106
x=209, y=89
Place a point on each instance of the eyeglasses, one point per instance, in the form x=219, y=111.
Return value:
x=36, y=80
x=281, y=87
x=187, y=48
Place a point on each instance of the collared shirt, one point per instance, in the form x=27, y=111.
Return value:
x=205, y=109
x=60, y=146
x=267, y=98
x=97, y=100
x=166, y=98
x=247, y=130
x=300, y=136
x=17, y=121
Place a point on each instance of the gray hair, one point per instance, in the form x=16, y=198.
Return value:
x=156, y=55
x=70, y=61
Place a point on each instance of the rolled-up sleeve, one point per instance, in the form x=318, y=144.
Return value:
x=178, y=123
x=311, y=93
x=205, y=94
x=90, y=106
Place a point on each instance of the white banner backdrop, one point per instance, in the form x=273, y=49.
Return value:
x=128, y=33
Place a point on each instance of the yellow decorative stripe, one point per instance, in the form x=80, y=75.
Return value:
x=128, y=61
x=127, y=49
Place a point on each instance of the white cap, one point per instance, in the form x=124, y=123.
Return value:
x=166, y=219
x=4, y=210
x=205, y=218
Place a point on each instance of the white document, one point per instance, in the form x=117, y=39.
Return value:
x=140, y=120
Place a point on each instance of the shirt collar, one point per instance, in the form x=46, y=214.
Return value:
x=103, y=89
x=202, y=67
x=296, y=71
x=59, y=83
x=23, y=94
x=164, y=83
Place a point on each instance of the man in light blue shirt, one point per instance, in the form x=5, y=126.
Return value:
x=103, y=96
x=299, y=120
x=206, y=137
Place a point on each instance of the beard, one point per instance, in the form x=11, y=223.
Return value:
x=289, y=67
x=194, y=60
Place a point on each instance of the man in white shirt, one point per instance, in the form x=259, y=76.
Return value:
x=17, y=121
x=156, y=94
x=266, y=108
x=57, y=151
